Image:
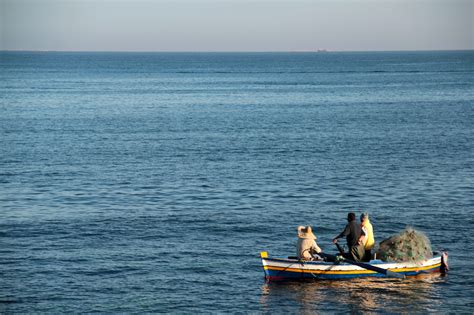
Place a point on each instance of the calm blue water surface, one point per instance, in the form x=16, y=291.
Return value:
x=143, y=182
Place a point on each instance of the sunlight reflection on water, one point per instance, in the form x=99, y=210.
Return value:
x=357, y=295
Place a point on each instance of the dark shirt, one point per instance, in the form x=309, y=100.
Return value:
x=352, y=233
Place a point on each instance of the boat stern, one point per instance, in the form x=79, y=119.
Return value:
x=444, y=263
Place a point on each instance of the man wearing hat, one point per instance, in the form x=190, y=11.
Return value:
x=306, y=248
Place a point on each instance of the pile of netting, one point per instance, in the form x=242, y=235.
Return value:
x=408, y=245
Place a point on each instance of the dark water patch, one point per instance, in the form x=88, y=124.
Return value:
x=8, y=301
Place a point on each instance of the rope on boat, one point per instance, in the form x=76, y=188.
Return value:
x=302, y=262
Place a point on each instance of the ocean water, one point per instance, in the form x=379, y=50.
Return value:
x=150, y=182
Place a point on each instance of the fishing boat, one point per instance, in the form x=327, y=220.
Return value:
x=336, y=267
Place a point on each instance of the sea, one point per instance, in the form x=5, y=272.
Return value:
x=150, y=182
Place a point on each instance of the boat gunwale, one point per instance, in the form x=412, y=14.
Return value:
x=372, y=262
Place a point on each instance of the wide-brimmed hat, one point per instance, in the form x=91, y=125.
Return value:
x=306, y=232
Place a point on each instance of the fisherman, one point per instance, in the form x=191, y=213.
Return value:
x=306, y=248
x=367, y=237
x=352, y=232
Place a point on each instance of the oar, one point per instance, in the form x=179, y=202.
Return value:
x=339, y=248
x=386, y=272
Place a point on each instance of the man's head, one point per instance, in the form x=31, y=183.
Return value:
x=364, y=216
x=351, y=216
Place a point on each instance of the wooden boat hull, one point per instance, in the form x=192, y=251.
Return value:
x=292, y=269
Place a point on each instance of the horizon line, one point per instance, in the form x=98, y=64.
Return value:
x=316, y=51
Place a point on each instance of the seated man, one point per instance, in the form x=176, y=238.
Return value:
x=306, y=248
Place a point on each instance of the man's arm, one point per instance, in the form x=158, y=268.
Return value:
x=346, y=232
x=316, y=248
x=363, y=234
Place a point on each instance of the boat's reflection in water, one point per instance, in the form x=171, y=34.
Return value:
x=416, y=294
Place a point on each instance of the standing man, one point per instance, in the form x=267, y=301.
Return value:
x=352, y=232
x=367, y=237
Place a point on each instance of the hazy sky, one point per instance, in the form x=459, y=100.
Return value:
x=236, y=25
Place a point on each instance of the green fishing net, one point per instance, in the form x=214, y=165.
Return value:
x=408, y=245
